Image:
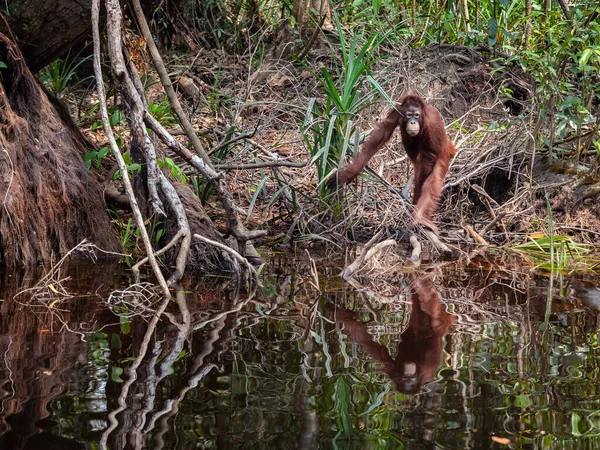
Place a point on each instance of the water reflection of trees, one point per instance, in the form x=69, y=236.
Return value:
x=42, y=350
x=297, y=366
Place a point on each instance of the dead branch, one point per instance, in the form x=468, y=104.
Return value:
x=367, y=253
x=166, y=82
x=498, y=218
x=236, y=227
x=277, y=163
x=136, y=268
x=415, y=257
x=229, y=250
x=476, y=237
x=591, y=191
x=435, y=240
x=233, y=140
x=490, y=204
x=114, y=26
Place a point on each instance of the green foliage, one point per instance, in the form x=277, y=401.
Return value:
x=95, y=157
x=132, y=168
x=163, y=113
x=328, y=129
x=558, y=253
x=129, y=234
x=57, y=75
x=564, y=62
x=175, y=170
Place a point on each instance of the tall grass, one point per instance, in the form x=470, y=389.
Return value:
x=328, y=128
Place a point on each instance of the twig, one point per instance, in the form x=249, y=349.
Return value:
x=233, y=140
x=312, y=39
x=261, y=164
x=476, y=237
x=499, y=217
x=435, y=240
x=368, y=251
x=490, y=204
x=170, y=244
x=229, y=250
x=214, y=178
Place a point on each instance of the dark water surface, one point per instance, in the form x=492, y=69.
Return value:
x=465, y=357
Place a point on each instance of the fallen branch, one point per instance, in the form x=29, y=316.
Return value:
x=166, y=82
x=116, y=54
x=415, y=257
x=235, y=225
x=229, y=250
x=490, y=204
x=261, y=164
x=591, y=191
x=498, y=217
x=136, y=268
x=435, y=240
x=476, y=237
x=240, y=137
x=367, y=253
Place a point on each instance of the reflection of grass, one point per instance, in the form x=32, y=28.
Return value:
x=558, y=254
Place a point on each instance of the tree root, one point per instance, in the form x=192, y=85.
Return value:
x=369, y=250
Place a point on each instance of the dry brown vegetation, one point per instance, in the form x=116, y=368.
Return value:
x=494, y=134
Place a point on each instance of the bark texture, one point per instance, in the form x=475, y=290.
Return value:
x=303, y=9
x=46, y=29
x=50, y=202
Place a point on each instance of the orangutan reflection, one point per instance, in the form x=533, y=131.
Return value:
x=420, y=349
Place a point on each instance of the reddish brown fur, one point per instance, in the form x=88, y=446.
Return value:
x=420, y=345
x=430, y=152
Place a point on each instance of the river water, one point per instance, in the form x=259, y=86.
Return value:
x=452, y=357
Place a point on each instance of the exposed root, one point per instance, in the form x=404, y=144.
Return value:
x=50, y=202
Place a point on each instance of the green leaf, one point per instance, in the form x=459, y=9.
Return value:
x=3, y=65
x=492, y=31
x=115, y=341
x=569, y=102
x=376, y=6
x=115, y=374
x=255, y=196
x=135, y=167
x=379, y=89
x=276, y=195
x=89, y=156
x=116, y=117
x=585, y=57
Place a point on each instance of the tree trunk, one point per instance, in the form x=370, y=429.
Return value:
x=528, y=9
x=302, y=11
x=46, y=29
x=50, y=202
